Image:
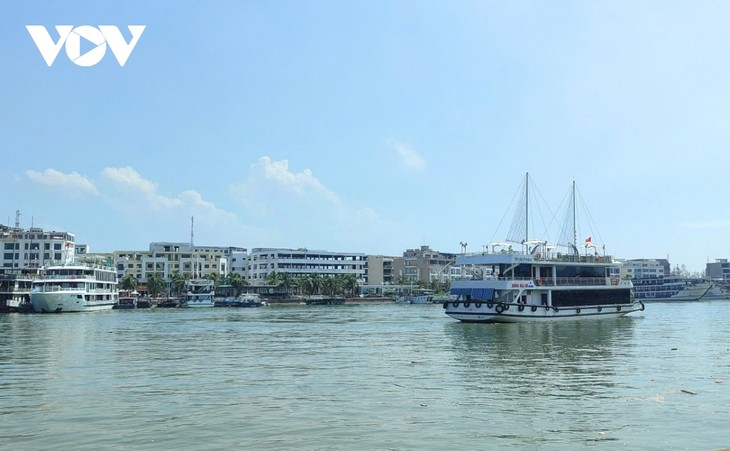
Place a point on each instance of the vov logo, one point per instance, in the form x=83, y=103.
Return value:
x=98, y=36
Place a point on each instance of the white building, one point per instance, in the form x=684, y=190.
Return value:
x=301, y=262
x=645, y=268
x=167, y=258
x=34, y=247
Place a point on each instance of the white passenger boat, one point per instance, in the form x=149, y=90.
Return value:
x=671, y=288
x=538, y=282
x=198, y=293
x=79, y=286
x=416, y=297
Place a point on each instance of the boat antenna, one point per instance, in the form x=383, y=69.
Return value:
x=575, y=220
x=192, y=223
x=527, y=209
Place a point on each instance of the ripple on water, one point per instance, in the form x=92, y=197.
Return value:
x=363, y=377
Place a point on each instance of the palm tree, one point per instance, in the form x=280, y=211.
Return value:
x=236, y=280
x=312, y=283
x=286, y=281
x=214, y=276
x=330, y=285
x=273, y=278
x=128, y=282
x=350, y=284
x=155, y=284
x=177, y=282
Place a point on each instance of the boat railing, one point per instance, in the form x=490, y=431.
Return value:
x=581, y=281
x=66, y=277
x=555, y=257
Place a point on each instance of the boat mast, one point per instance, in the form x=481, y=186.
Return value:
x=527, y=211
x=575, y=232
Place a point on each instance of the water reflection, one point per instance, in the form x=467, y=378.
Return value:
x=575, y=358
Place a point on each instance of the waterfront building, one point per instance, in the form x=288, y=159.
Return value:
x=645, y=268
x=300, y=263
x=719, y=271
x=167, y=258
x=426, y=265
x=34, y=247
x=379, y=270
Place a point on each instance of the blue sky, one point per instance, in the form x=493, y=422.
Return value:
x=372, y=126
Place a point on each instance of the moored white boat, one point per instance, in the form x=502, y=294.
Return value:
x=538, y=283
x=79, y=286
x=198, y=293
x=670, y=289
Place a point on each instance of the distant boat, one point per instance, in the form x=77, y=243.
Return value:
x=537, y=283
x=318, y=299
x=80, y=286
x=716, y=292
x=198, y=293
x=15, y=286
x=244, y=300
x=127, y=301
x=670, y=289
x=419, y=297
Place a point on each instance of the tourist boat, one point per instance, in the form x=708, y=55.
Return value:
x=670, y=288
x=198, y=293
x=76, y=286
x=717, y=291
x=127, y=301
x=417, y=297
x=15, y=286
x=244, y=300
x=539, y=283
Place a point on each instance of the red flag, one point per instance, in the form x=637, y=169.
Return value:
x=589, y=239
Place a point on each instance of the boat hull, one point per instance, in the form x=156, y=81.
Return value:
x=197, y=303
x=483, y=312
x=56, y=302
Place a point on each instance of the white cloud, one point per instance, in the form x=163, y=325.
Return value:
x=129, y=180
x=271, y=185
x=409, y=157
x=302, y=183
x=73, y=182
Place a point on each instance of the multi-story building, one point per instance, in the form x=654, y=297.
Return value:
x=168, y=258
x=34, y=247
x=719, y=270
x=426, y=265
x=379, y=270
x=645, y=268
x=301, y=262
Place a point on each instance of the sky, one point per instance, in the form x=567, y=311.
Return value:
x=371, y=126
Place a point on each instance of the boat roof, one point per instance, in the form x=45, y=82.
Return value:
x=511, y=258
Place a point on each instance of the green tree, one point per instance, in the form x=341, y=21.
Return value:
x=214, y=276
x=273, y=278
x=312, y=284
x=155, y=284
x=350, y=285
x=128, y=282
x=177, y=282
x=330, y=285
x=287, y=281
x=236, y=280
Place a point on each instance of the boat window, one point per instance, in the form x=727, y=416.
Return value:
x=522, y=271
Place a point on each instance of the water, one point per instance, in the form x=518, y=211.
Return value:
x=363, y=377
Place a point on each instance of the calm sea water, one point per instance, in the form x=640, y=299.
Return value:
x=364, y=377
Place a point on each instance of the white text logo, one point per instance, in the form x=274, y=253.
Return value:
x=98, y=36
